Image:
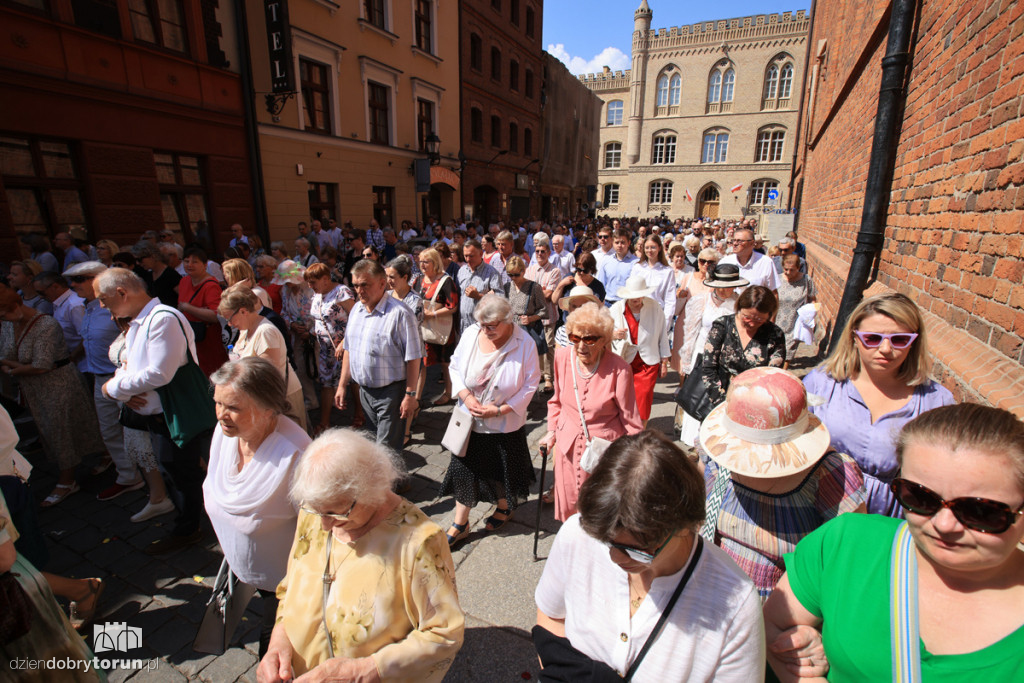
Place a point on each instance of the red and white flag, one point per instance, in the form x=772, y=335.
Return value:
x=689, y=197
x=736, y=188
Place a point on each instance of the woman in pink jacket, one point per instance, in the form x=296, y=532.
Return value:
x=607, y=401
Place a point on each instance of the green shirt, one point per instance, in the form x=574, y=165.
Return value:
x=840, y=572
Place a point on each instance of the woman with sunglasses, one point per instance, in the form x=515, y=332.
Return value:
x=953, y=570
x=874, y=382
x=603, y=383
x=630, y=571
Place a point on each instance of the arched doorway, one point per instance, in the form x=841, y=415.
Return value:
x=439, y=202
x=708, y=202
x=485, y=203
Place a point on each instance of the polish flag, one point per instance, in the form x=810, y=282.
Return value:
x=736, y=188
x=689, y=197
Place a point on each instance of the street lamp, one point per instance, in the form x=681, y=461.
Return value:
x=433, y=144
x=504, y=151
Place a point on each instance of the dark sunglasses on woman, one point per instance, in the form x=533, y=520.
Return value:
x=980, y=514
x=898, y=340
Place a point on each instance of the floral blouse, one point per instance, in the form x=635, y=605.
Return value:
x=725, y=357
x=331, y=318
x=295, y=305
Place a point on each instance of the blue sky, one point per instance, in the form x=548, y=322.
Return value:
x=589, y=34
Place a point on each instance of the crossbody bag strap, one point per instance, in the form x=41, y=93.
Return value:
x=668, y=608
x=579, y=406
x=199, y=289
x=905, y=632
x=188, y=351
x=714, y=505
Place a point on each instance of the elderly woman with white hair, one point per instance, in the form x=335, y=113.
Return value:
x=495, y=373
x=252, y=457
x=369, y=594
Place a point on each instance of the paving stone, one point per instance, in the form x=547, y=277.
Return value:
x=172, y=637
x=161, y=672
x=491, y=653
x=156, y=574
x=229, y=666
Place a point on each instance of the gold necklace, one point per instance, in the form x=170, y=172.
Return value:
x=634, y=602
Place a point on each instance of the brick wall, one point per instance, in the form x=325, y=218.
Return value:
x=954, y=234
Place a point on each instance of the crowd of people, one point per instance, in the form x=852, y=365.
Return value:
x=721, y=550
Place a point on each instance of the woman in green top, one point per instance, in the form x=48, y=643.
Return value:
x=962, y=486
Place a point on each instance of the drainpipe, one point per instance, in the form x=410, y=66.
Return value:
x=251, y=133
x=800, y=117
x=891, y=99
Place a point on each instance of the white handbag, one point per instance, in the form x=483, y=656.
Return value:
x=460, y=426
x=595, y=446
x=437, y=330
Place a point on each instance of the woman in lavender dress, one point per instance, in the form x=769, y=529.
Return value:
x=874, y=383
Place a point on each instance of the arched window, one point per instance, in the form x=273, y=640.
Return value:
x=786, y=82
x=611, y=194
x=663, y=91
x=674, y=87
x=761, y=193
x=771, y=82
x=495, y=63
x=716, y=147
x=663, y=151
x=613, y=155
x=660, y=192
x=614, y=117
x=715, y=87
x=476, y=52
x=527, y=141
x=728, y=83
x=513, y=138
x=770, y=141
x=476, y=125
x=778, y=83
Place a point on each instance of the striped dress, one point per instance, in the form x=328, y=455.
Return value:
x=756, y=529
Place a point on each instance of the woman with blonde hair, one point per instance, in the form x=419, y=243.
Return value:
x=105, y=250
x=875, y=382
x=238, y=271
x=653, y=267
x=440, y=294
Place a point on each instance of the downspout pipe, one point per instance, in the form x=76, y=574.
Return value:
x=251, y=132
x=790, y=203
x=891, y=98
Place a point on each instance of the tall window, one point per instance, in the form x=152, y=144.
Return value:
x=527, y=141
x=529, y=83
x=786, y=81
x=513, y=10
x=513, y=138
x=495, y=63
x=529, y=21
x=769, y=145
x=778, y=83
x=613, y=155
x=614, y=113
x=495, y=131
x=674, y=88
x=771, y=82
x=662, y=97
x=379, y=128
x=611, y=194
x=476, y=125
x=182, y=196
x=100, y=16
x=316, y=96
x=716, y=147
x=42, y=186
x=161, y=22
x=759, y=191
x=513, y=75
x=660, y=192
x=424, y=121
x=424, y=25
x=715, y=87
x=384, y=205
x=476, y=52
x=728, y=84
x=664, y=150
x=322, y=202
x=375, y=13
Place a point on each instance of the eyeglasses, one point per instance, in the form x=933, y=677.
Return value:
x=515, y=274
x=603, y=237
x=588, y=340
x=754, y=319
x=637, y=555
x=490, y=327
x=738, y=241
x=338, y=519
x=898, y=340
x=232, y=316
x=980, y=514
x=705, y=261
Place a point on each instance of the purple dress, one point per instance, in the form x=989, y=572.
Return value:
x=873, y=446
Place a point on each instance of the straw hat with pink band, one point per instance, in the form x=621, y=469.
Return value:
x=763, y=428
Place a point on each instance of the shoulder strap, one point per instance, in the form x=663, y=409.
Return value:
x=188, y=352
x=903, y=615
x=24, y=332
x=668, y=608
x=200, y=288
x=575, y=390
x=438, y=286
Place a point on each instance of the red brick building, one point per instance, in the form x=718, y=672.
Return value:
x=502, y=70
x=121, y=117
x=954, y=234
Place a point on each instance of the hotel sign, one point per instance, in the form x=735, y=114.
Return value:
x=279, y=44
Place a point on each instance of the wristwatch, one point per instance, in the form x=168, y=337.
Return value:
x=410, y=393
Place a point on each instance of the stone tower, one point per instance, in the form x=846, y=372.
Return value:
x=641, y=43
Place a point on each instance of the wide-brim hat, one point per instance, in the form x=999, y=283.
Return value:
x=575, y=294
x=288, y=272
x=725, y=275
x=85, y=268
x=635, y=288
x=763, y=429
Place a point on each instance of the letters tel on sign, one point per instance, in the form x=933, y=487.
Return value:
x=279, y=44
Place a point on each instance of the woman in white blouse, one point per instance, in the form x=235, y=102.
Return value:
x=495, y=373
x=252, y=457
x=660, y=277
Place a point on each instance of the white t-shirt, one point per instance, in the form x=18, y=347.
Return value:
x=715, y=631
x=759, y=271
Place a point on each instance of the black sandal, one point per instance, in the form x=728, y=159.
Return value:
x=463, y=532
x=493, y=523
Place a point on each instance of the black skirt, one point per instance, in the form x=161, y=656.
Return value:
x=495, y=466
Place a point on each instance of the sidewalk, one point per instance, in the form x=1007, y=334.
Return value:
x=166, y=596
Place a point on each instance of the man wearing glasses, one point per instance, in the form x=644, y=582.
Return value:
x=787, y=246
x=476, y=278
x=614, y=270
x=604, y=245
x=755, y=268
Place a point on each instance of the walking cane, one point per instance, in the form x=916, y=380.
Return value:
x=540, y=497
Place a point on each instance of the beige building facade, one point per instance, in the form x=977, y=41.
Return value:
x=704, y=123
x=372, y=80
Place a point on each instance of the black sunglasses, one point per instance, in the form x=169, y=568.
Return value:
x=79, y=279
x=980, y=514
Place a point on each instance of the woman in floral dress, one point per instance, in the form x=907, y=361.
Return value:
x=329, y=310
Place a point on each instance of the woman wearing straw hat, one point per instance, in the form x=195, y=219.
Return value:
x=641, y=338
x=770, y=474
x=577, y=296
x=296, y=301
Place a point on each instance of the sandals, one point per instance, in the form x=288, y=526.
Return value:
x=462, y=531
x=548, y=497
x=80, y=618
x=494, y=523
x=59, y=493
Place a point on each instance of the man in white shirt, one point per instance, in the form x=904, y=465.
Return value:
x=615, y=269
x=505, y=244
x=237, y=236
x=755, y=268
x=68, y=310
x=604, y=245
x=562, y=257
x=158, y=339
x=546, y=274
x=323, y=238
